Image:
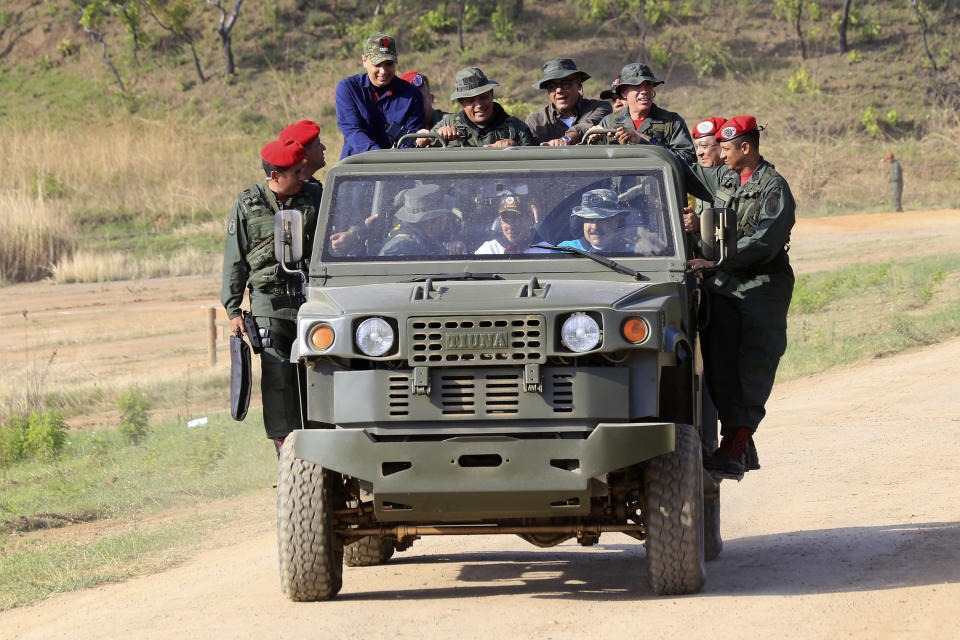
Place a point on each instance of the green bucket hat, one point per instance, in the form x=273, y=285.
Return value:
x=380, y=47
x=559, y=68
x=637, y=73
x=422, y=202
x=471, y=82
x=597, y=204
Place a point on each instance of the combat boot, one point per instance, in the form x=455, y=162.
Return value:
x=730, y=456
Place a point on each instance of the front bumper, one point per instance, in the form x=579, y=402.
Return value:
x=474, y=477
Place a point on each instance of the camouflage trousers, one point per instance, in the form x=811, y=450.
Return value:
x=742, y=341
x=896, y=191
x=279, y=386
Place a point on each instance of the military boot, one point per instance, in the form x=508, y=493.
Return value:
x=730, y=455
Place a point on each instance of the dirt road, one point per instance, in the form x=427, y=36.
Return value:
x=851, y=529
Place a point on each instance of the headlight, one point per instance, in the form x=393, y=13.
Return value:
x=580, y=333
x=374, y=336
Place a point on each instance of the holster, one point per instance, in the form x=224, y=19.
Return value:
x=241, y=377
x=252, y=331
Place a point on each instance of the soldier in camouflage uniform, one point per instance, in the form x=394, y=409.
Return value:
x=896, y=182
x=746, y=331
x=427, y=225
x=482, y=122
x=642, y=121
x=249, y=263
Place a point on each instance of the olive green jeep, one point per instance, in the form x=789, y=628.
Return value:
x=478, y=356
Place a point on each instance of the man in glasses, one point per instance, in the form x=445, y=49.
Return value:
x=708, y=155
x=568, y=115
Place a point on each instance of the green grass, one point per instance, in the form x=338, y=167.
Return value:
x=99, y=477
x=28, y=575
x=863, y=311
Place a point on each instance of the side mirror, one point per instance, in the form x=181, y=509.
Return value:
x=288, y=237
x=718, y=234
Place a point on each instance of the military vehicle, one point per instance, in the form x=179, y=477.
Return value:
x=547, y=391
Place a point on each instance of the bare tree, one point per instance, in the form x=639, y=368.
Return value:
x=844, y=21
x=461, y=10
x=91, y=18
x=176, y=16
x=223, y=30
x=922, y=20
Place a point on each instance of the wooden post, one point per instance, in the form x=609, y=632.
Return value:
x=211, y=314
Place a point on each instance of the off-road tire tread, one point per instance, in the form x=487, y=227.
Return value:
x=311, y=558
x=712, y=541
x=674, y=517
x=368, y=551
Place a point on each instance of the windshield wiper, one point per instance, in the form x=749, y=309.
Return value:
x=458, y=276
x=596, y=257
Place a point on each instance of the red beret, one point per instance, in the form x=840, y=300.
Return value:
x=736, y=127
x=889, y=154
x=304, y=132
x=414, y=77
x=283, y=153
x=708, y=127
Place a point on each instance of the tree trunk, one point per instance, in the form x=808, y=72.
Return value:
x=803, y=47
x=844, y=21
x=462, y=5
x=923, y=32
x=223, y=30
x=196, y=61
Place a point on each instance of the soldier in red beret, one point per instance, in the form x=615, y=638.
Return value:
x=431, y=115
x=708, y=155
x=307, y=133
x=748, y=294
x=249, y=264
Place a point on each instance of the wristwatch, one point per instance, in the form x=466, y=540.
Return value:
x=567, y=139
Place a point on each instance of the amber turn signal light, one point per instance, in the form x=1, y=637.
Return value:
x=636, y=330
x=321, y=337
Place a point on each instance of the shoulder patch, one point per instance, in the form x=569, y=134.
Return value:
x=232, y=226
x=772, y=204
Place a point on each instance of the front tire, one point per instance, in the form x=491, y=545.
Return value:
x=311, y=555
x=673, y=501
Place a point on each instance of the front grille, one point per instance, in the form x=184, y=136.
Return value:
x=476, y=340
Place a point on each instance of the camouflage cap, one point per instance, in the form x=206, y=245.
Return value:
x=597, y=204
x=559, y=68
x=380, y=47
x=471, y=82
x=422, y=202
x=637, y=73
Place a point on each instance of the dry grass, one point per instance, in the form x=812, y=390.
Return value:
x=161, y=169
x=35, y=235
x=89, y=266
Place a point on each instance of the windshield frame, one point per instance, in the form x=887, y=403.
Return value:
x=516, y=163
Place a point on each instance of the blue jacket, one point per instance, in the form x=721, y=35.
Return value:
x=366, y=124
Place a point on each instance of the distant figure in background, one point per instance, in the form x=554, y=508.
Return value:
x=612, y=95
x=896, y=182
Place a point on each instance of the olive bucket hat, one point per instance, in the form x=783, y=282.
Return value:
x=559, y=68
x=422, y=202
x=471, y=82
x=597, y=204
x=637, y=73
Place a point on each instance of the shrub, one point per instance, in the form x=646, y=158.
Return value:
x=800, y=82
x=421, y=39
x=46, y=434
x=67, y=49
x=437, y=20
x=13, y=439
x=892, y=118
x=134, y=419
x=870, y=123
x=854, y=56
x=659, y=56
x=503, y=28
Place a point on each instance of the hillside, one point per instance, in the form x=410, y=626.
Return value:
x=151, y=170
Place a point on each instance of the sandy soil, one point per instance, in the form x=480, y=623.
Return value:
x=851, y=529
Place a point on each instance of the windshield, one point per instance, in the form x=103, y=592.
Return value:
x=496, y=216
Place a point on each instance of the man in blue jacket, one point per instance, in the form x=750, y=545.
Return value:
x=374, y=109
